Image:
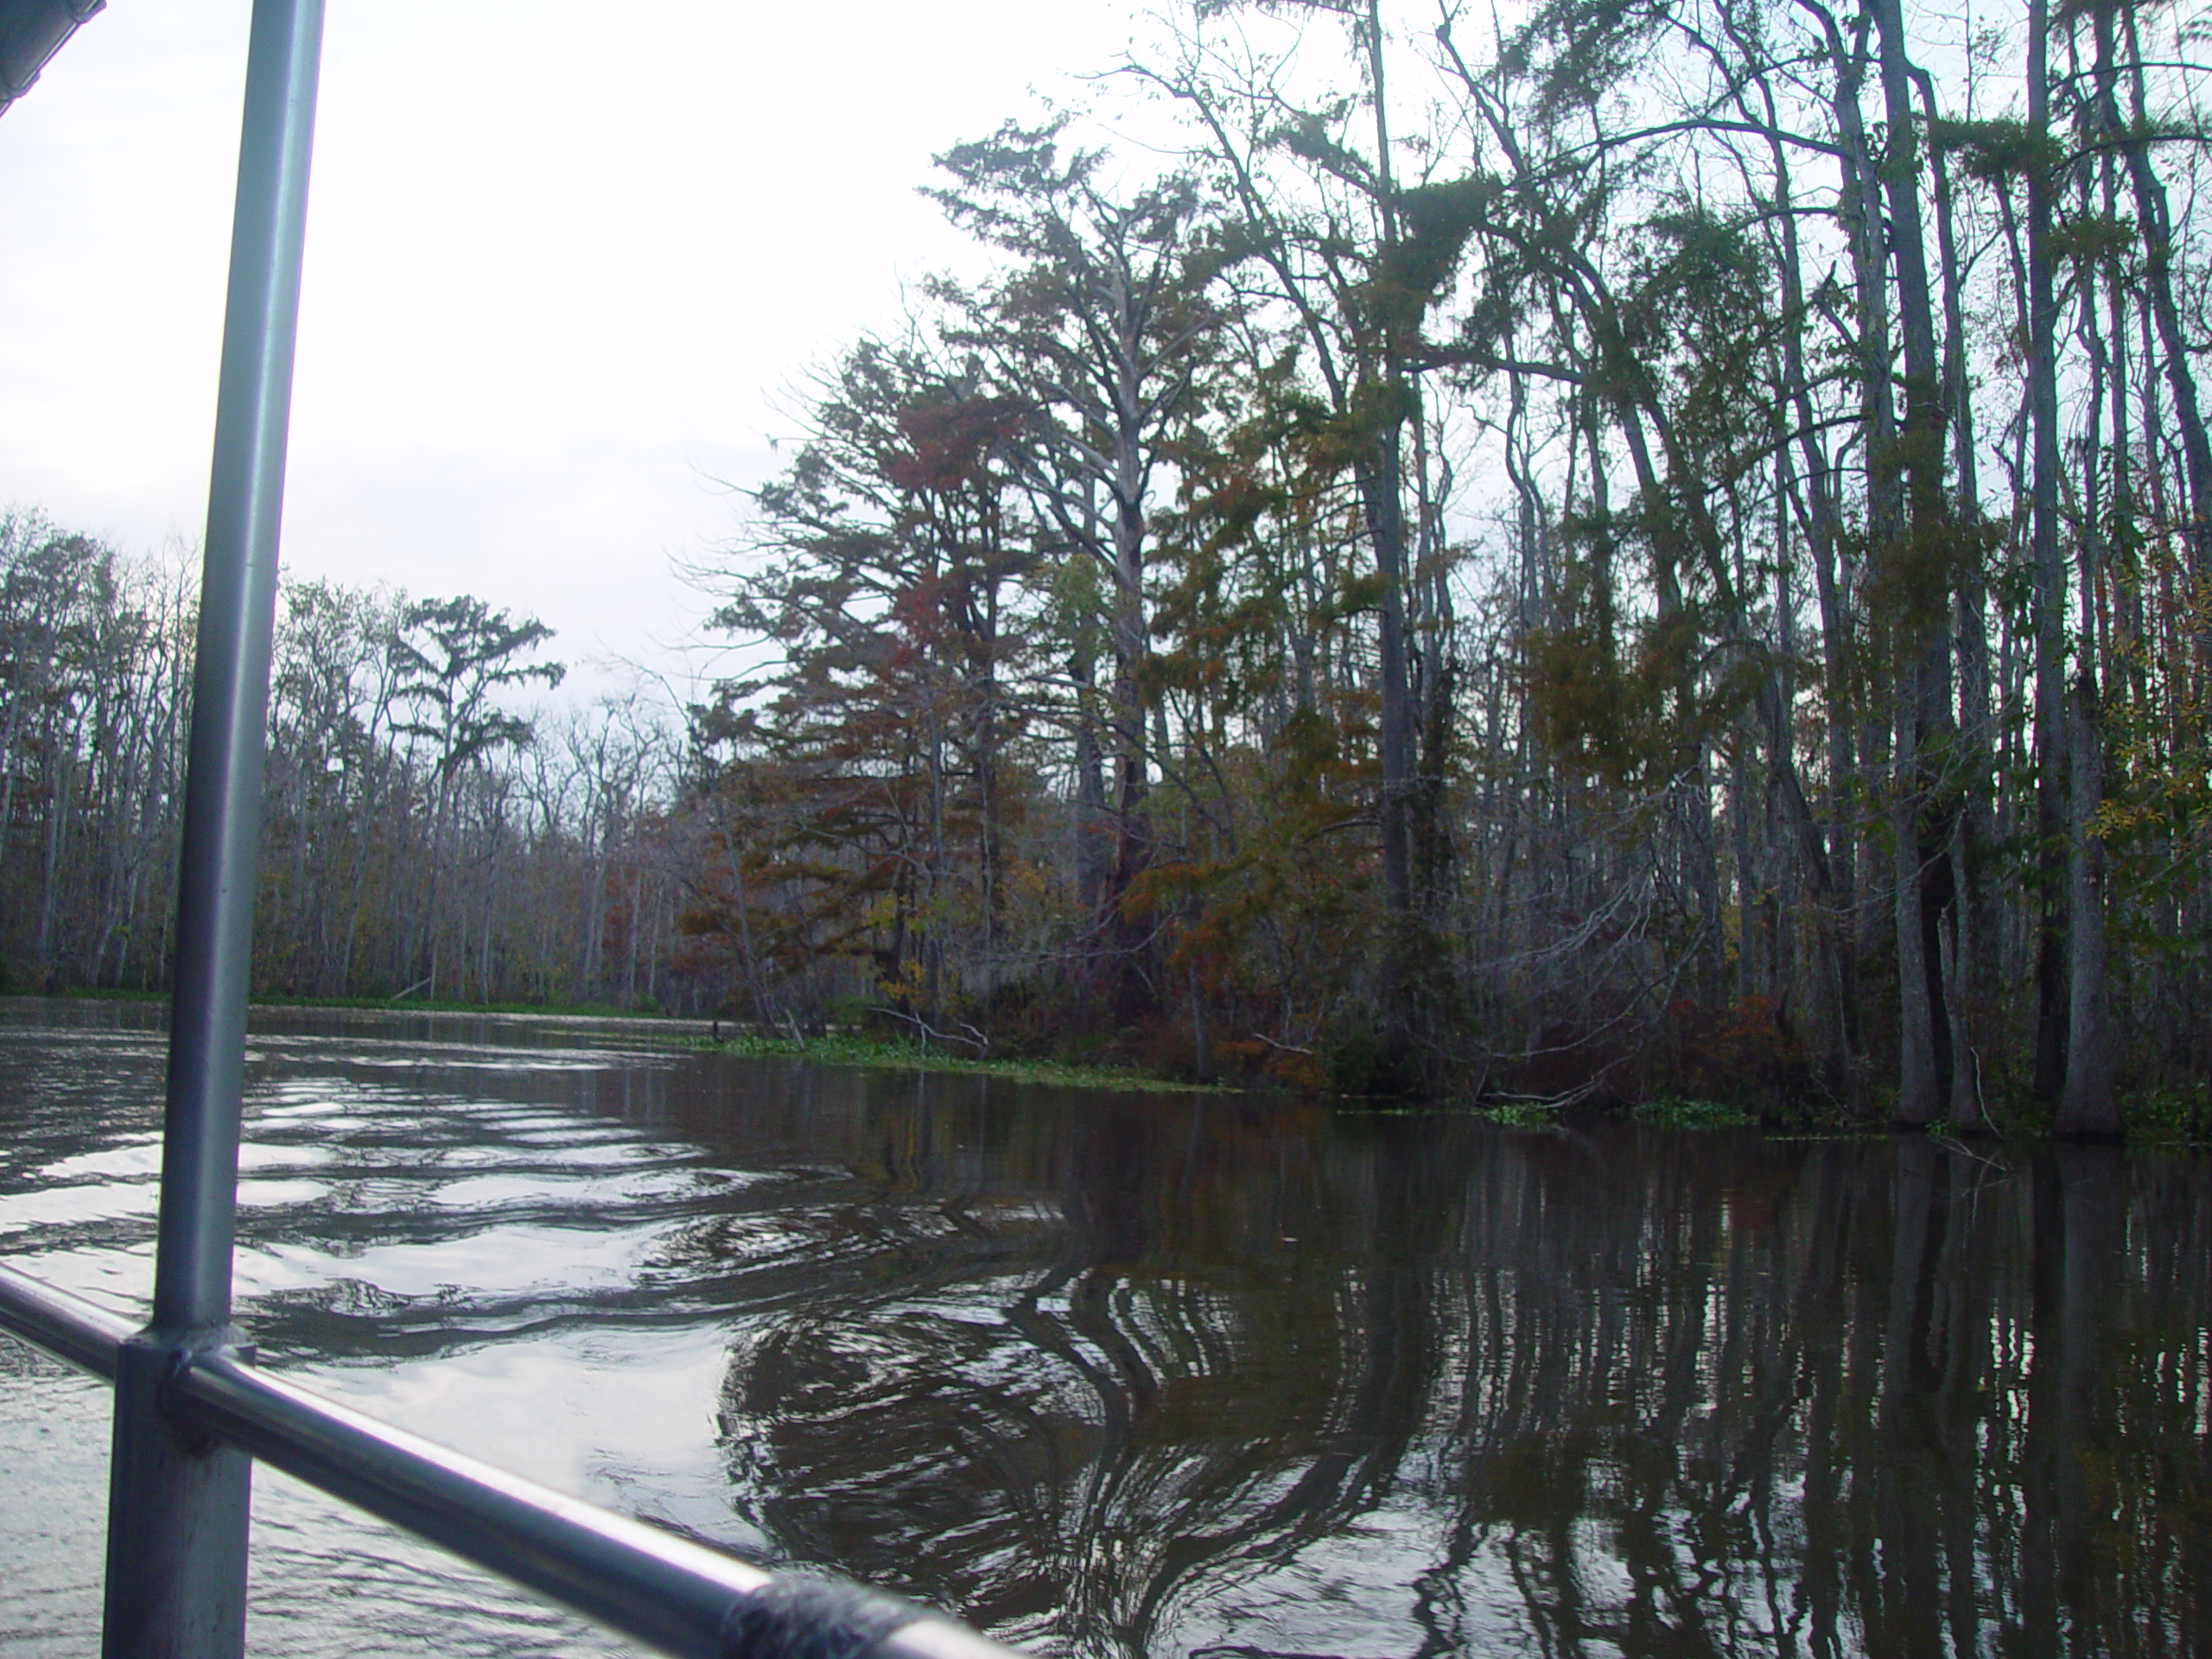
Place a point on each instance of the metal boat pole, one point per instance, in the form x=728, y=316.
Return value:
x=178, y=1501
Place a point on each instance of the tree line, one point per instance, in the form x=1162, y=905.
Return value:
x=1660, y=549
x=420, y=838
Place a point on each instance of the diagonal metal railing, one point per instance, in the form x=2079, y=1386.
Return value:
x=192, y=1412
x=665, y=1591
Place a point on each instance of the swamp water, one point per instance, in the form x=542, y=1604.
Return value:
x=1118, y=1374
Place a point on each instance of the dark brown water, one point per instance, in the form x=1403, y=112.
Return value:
x=1155, y=1374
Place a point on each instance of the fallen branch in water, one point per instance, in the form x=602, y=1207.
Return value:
x=975, y=1038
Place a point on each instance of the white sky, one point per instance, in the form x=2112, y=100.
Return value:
x=564, y=260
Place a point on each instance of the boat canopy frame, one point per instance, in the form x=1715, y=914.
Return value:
x=31, y=32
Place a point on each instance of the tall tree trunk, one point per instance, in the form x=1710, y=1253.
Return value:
x=1832, y=864
x=1967, y=937
x=2051, y=1009
x=2154, y=223
x=1859, y=213
x=2088, y=1105
x=1919, y=1100
x=1134, y=993
x=1919, y=561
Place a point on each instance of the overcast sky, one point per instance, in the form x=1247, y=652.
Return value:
x=562, y=258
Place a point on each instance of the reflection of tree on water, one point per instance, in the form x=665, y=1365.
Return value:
x=1150, y=1358
x=1193, y=1377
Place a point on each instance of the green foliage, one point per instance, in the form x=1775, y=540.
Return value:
x=1435, y=222
x=2155, y=818
x=2094, y=239
x=2175, y=1115
x=1632, y=717
x=1311, y=136
x=839, y=1049
x=1995, y=151
x=1576, y=50
x=1518, y=1112
x=1912, y=578
x=452, y=657
x=1359, y=1065
x=860, y=795
x=1675, y=1112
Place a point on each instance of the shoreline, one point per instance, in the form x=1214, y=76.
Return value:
x=701, y=1035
